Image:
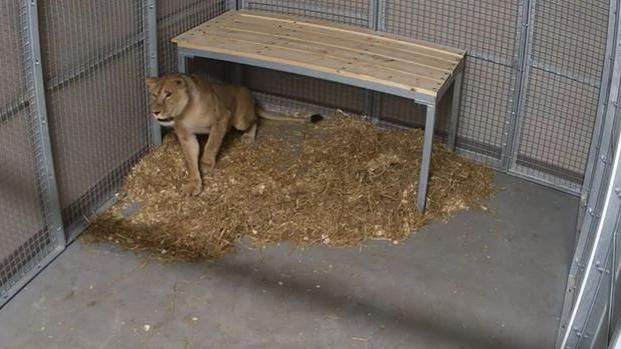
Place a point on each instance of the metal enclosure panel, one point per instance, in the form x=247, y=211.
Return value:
x=589, y=181
x=31, y=233
x=356, y=12
x=489, y=31
x=587, y=323
x=94, y=63
x=177, y=16
x=503, y=106
x=556, y=129
x=586, y=318
x=152, y=69
x=289, y=92
x=565, y=65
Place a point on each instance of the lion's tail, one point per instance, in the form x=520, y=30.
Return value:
x=275, y=116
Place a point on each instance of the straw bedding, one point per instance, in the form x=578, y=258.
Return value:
x=340, y=182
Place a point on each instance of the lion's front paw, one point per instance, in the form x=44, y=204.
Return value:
x=208, y=163
x=247, y=139
x=193, y=188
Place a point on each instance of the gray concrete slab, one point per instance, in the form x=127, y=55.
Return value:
x=490, y=279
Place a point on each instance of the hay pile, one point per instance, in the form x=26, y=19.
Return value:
x=342, y=183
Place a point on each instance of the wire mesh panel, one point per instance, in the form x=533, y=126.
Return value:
x=488, y=31
x=27, y=234
x=94, y=64
x=175, y=17
x=288, y=92
x=565, y=66
x=357, y=12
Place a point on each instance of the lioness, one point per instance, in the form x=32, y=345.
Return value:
x=192, y=105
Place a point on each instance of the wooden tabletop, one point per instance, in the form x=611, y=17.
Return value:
x=354, y=52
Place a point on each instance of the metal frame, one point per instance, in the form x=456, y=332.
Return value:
x=150, y=30
x=425, y=166
x=602, y=204
x=596, y=266
x=520, y=71
x=590, y=181
x=45, y=164
x=599, y=168
x=455, y=108
x=183, y=54
x=52, y=204
x=373, y=98
x=232, y=4
x=419, y=97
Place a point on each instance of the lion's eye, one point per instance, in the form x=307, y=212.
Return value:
x=167, y=94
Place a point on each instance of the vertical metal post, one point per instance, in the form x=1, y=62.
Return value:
x=454, y=118
x=374, y=99
x=615, y=341
x=42, y=134
x=232, y=5
x=425, y=166
x=599, y=168
x=606, y=80
x=380, y=22
x=150, y=30
x=182, y=63
x=521, y=65
x=596, y=264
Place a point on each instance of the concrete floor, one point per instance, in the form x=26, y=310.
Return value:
x=490, y=279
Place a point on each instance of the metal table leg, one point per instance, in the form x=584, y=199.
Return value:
x=426, y=162
x=453, y=120
x=182, y=63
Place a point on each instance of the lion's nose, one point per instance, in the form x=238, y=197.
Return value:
x=156, y=113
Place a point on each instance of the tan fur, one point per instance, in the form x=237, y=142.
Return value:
x=192, y=105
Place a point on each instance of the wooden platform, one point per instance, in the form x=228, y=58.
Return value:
x=352, y=52
x=347, y=54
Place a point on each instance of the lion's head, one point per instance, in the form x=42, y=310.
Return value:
x=169, y=97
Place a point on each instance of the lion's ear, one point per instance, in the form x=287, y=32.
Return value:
x=179, y=82
x=151, y=82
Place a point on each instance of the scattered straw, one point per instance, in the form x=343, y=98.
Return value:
x=341, y=183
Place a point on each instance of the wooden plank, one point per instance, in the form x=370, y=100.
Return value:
x=392, y=38
x=355, y=47
x=332, y=50
x=353, y=35
x=335, y=63
x=345, y=50
x=321, y=53
x=328, y=65
x=347, y=38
